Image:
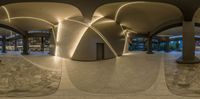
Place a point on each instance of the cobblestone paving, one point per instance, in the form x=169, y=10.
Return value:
x=182, y=79
x=19, y=78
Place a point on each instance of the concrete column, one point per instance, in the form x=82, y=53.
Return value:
x=158, y=45
x=177, y=46
x=149, y=46
x=52, y=42
x=25, y=45
x=145, y=45
x=188, y=54
x=42, y=43
x=3, y=44
x=126, y=44
x=15, y=44
x=167, y=49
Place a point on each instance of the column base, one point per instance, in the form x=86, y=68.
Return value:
x=150, y=52
x=181, y=61
x=25, y=53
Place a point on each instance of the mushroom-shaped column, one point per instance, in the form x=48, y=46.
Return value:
x=3, y=44
x=188, y=56
x=149, y=45
x=25, y=45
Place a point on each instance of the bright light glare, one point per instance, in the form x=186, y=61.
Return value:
x=58, y=39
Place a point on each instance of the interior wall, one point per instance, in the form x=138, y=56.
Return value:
x=113, y=33
x=86, y=50
x=78, y=42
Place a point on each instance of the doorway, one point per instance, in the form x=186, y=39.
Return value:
x=100, y=51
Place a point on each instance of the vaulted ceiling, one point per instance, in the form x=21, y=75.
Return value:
x=139, y=16
x=31, y=16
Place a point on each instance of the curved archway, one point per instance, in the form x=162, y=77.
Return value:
x=12, y=27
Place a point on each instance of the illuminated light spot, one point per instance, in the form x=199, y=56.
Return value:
x=95, y=20
x=59, y=31
x=123, y=6
x=109, y=21
x=58, y=39
x=57, y=51
x=126, y=41
x=98, y=33
x=128, y=54
x=98, y=14
x=34, y=18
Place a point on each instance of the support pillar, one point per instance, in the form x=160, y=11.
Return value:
x=3, y=44
x=188, y=53
x=15, y=43
x=42, y=44
x=126, y=45
x=25, y=45
x=149, y=46
x=167, y=49
x=145, y=45
x=158, y=45
x=52, y=50
x=177, y=46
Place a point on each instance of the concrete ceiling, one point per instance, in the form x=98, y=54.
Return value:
x=31, y=16
x=141, y=17
x=176, y=31
x=88, y=7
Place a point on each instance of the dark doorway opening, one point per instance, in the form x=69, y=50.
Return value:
x=100, y=51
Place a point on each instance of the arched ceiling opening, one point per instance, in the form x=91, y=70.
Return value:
x=141, y=17
x=37, y=15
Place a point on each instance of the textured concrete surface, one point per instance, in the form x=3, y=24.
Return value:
x=157, y=89
x=19, y=78
x=127, y=74
x=182, y=79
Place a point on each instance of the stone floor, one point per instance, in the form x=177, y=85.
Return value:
x=133, y=76
x=20, y=78
x=182, y=79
